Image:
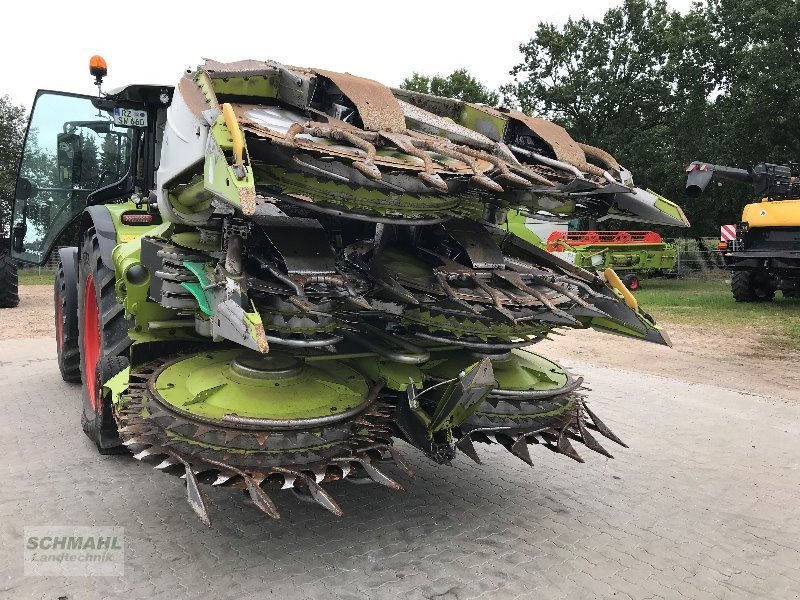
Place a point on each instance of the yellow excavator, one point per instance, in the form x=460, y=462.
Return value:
x=763, y=250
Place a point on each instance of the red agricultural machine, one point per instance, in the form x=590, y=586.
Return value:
x=635, y=253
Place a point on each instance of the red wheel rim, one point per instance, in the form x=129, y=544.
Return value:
x=91, y=338
x=634, y=284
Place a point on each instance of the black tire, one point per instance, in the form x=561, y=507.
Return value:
x=65, y=300
x=102, y=338
x=9, y=282
x=104, y=433
x=632, y=282
x=751, y=286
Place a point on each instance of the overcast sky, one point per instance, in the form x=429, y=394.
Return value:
x=48, y=44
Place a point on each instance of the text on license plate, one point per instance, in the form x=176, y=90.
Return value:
x=130, y=117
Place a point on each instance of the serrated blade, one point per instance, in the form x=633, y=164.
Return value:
x=194, y=495
x=603, y=428
x=260, y=497
x=467, y=447
x=520, y=450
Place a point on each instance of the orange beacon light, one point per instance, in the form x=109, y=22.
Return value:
x=98, y=68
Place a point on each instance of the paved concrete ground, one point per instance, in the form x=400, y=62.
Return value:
x=703, y=505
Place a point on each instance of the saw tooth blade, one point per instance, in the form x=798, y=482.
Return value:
x=260, y=498
x=520, y=449
x=150, y=451
x=536, y=439
x=139, y=440
x=137, y=429
x=301, y=481
x=467, y=447
x=602, y=427
x=401, y=462
x=195, y=496
x=222, y=478
x=200, y=431
x=167, y=463
x=230, y=435
x=565, y=447
x=346, y=468
x=322, y=497
x=590, y=441
x=319, y=473
x=377, y=475
x=159, y=414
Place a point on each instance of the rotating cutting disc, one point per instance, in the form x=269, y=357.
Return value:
x=249, y=390
x=235, y=418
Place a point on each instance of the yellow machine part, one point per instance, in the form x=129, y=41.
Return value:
x=775, y=213
x=615, y=282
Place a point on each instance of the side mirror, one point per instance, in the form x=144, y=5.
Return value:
x=18, y=237
x=68, y=158
x=24, y=189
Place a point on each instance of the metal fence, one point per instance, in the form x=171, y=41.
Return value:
x=698, y=258
x=47, y=267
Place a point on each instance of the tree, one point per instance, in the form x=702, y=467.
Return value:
x=90, y=168
x=110, y=154
x=659, y=89
x=757, y=70
x=459, y=84
x=12, y=133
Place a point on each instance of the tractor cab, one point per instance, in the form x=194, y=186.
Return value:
x=80, y=151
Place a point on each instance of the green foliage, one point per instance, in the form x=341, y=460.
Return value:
x=109, y=162
x=90, y=163
x=659, y=89
x=12, y=133
x=35, y=276
x=711, y=304
x=459, y=84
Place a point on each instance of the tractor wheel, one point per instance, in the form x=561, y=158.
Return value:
x=751, y=286
x=9, y=290
x=631, y=281
x=103, y=339
x=65, y=299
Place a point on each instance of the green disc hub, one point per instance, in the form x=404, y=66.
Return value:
x=532, y=393
x=247, y=389
x=516, y=372
x=272, y=367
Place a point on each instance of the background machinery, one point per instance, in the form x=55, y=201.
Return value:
x=9, y=292
x=763, y=254
x=278, y=271
x=633, y=254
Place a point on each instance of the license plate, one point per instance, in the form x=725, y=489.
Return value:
x=130, y=117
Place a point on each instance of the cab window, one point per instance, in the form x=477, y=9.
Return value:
x=72, y=151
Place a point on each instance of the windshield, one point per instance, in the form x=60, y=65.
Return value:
x=72, y=149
